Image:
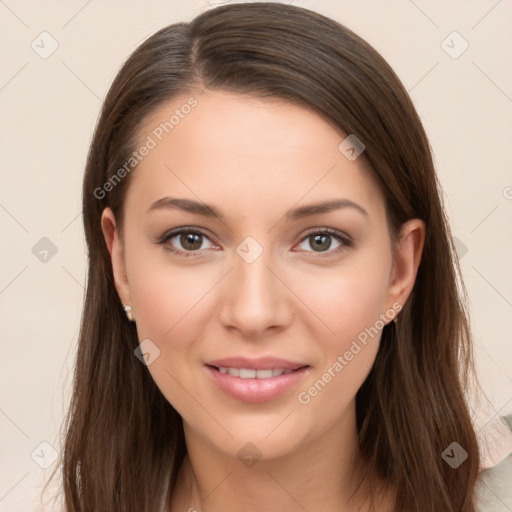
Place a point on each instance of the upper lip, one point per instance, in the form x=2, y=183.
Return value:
x=261, y=363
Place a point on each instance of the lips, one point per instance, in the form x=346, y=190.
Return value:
x=256, y=380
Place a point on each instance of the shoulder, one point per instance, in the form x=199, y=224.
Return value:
x=493, y=492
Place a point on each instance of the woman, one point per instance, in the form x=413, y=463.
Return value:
x=272, y=320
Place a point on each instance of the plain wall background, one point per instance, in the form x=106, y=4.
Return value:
x=49, y=109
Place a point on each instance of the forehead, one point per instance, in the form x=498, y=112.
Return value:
x=245, y=151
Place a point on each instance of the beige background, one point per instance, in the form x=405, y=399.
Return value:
x=49, y=109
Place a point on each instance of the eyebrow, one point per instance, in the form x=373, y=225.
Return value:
x=195, y=207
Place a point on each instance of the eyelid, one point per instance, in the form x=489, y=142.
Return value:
x=345, y=238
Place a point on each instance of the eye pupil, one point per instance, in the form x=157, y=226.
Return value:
x=191, y=238
x=324, y=241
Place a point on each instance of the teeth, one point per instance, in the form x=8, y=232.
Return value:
x=246, y=373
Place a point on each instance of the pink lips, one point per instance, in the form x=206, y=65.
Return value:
x=256, y=389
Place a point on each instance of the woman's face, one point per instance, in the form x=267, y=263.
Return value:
x=272, y=282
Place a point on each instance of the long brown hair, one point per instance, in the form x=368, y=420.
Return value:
x=123, y=441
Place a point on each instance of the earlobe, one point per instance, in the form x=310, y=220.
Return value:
x=407, y=259
x=115, y=249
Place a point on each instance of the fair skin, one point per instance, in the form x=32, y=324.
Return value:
x=254, y=160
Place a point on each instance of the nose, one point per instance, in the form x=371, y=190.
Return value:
x=256, y=298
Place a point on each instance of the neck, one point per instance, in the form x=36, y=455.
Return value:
x=317, y=475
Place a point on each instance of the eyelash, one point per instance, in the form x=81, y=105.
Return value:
x=344, y=240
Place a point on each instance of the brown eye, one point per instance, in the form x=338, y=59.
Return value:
x=191, y=241
x=322, y=242
x=186, y=242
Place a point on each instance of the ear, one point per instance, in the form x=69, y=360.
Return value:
x=115, y=248
x=407, y=258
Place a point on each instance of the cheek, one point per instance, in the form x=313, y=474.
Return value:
x=166, y=296
x=168, y=304
x=348, y=300
x=351, y=303
x=347, y=356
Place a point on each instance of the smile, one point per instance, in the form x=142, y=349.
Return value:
x=248, y=373
x=256, y=380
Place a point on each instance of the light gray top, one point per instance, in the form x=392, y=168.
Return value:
x=494, y=488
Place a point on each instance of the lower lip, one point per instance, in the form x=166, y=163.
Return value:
x=256, y=390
